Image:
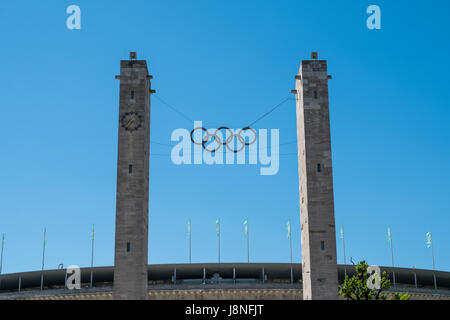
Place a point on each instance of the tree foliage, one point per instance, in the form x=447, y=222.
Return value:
x=356, y=287
x=402, y=296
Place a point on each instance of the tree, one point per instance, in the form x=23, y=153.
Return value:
x=402, y=296
x=358, y=286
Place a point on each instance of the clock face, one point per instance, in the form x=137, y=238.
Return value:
x=131, y=121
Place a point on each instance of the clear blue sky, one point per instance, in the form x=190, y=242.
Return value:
x=225, y=63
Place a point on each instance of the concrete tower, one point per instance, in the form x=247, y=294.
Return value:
x=319, y=265
x=131, y=247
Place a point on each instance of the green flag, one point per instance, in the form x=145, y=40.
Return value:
x=45, y=237
x=289, y=229
x=342, y=232
x=93, y=232
x=428, y=241
x=3, y=240
x=389, y=235
x=189, y=228
x=246, y=228
x=218, y=227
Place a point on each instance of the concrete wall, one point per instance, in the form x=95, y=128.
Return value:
x=200, y=294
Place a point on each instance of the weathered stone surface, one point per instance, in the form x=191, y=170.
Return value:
x=319, y=271
x=131, y=246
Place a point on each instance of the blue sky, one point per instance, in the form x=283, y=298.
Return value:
x=225, y=63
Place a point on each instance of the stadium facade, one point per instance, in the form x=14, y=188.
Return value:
x=229, y=281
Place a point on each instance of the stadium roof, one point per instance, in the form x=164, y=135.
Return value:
x=185, y=272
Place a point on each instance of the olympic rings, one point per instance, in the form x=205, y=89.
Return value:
x=226, y=128
x=192, y=139
x=245, y=129
x=217, y=139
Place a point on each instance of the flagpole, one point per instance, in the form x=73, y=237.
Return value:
x=434, y=269
x=290, y=249
x=343, y=246
x=1, y=257
x=290, y=239
x=392, y=254
x=43, y=260
x=189, y=235
x=92, y=256
x=248, y=250
x=190, y=261
x=290, y=246
x=218, y=239
x=43, y=250
x=248, y=244
x=393, y=266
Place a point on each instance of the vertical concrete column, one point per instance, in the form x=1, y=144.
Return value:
x=319, y=269
x=131, y=245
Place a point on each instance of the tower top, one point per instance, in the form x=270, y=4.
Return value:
x=314, y=55
x=133, y=56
